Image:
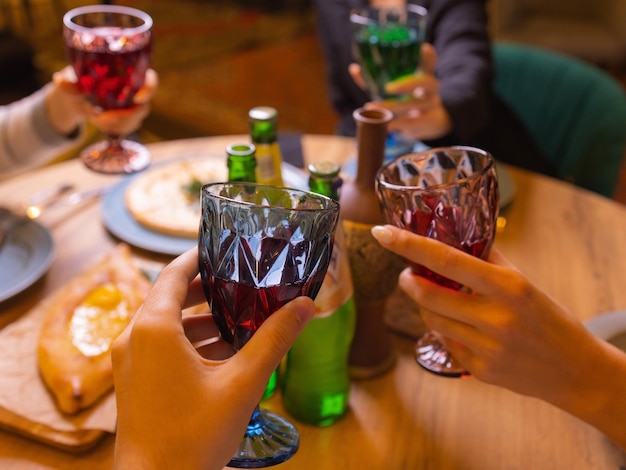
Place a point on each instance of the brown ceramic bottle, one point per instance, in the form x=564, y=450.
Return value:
x=374, y=269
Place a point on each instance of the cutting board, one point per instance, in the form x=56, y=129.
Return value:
x=69, y=441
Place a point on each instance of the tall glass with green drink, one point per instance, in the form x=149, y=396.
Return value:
x=387, y=43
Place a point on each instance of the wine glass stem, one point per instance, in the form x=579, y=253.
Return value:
x=115, y=142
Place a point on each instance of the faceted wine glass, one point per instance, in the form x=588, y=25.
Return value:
x=386, y=43
x=449, y=194
x=260, y=247
x=109, y=48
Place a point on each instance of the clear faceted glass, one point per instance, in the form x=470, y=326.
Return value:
x=449, y=194
x=260, y=247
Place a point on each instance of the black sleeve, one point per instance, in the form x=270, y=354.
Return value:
x=335, y=35
x=458, y=31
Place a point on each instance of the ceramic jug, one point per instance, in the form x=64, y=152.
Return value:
x=374, y=269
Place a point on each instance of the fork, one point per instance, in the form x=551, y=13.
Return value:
x=9, y=220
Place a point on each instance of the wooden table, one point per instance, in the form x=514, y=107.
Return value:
x=569, y=241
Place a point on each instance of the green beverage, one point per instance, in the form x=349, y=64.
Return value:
x=386, y=55
x=316, y=385
x=388, y=43
x=272, y=385
x=241, y=162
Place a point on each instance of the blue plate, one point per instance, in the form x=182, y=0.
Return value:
x=119, y=221
x=26, y=255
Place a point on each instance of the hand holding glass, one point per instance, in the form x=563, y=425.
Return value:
x=260, y=247
x=109, y=48
x=449, y=194
x=387, y=43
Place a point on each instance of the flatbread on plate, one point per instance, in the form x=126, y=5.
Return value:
x=166, y=199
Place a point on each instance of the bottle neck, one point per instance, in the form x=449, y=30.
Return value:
x=324, y=179
x=371, y=138
x=241, y=162
x=325, y=187
x=263, y=132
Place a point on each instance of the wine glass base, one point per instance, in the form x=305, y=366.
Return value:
x=269, y=440
x=431, y=354
x=129, y=157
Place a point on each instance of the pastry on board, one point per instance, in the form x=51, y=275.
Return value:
x=85, y=317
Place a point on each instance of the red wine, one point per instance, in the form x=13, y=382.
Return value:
x=240, y=309
x=110, y=78
x=256, y=277
x=449, y=225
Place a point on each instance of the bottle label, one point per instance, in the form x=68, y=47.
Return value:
x=337, y=287
x=268, y=161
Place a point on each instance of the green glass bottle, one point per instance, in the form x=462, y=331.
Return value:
x=241, y=162
x=264, y=135
x=315, y=385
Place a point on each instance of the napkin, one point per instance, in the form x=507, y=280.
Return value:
x=22, y=390
x=291, y=148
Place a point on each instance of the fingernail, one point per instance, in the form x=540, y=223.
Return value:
x=382, y=234
x=304, y=308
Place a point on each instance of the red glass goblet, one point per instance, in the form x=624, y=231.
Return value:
x=449, y=194
x=109, y=48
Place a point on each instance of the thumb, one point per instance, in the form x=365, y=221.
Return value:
x=272, y=340
x=355, y=72
x=428, y=58
x=65, y=79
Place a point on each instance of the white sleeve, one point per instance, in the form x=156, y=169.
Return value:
x=26, y=138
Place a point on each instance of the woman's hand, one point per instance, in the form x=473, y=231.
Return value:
x=420, y=113
x=506, y=331
x=207, y=396
x=67, y=107
x=509, y=333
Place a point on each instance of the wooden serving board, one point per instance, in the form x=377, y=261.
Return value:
x=69, y=441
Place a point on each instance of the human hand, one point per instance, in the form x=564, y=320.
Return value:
x=509, y=333
x=207, y=395
x=420, y=113
x=68, y=107
x=506, y=331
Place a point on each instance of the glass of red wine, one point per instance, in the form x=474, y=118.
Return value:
x=110, y=49
x=449, y=194
x=259, y=247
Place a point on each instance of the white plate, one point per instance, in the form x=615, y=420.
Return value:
x=25, y=256
x=118, y=220
x=610, y=327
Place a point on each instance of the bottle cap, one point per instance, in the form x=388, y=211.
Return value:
x=240, y=149
x=324, y=169
x=263, y=113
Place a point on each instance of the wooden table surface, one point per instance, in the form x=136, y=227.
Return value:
x=569, y=241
